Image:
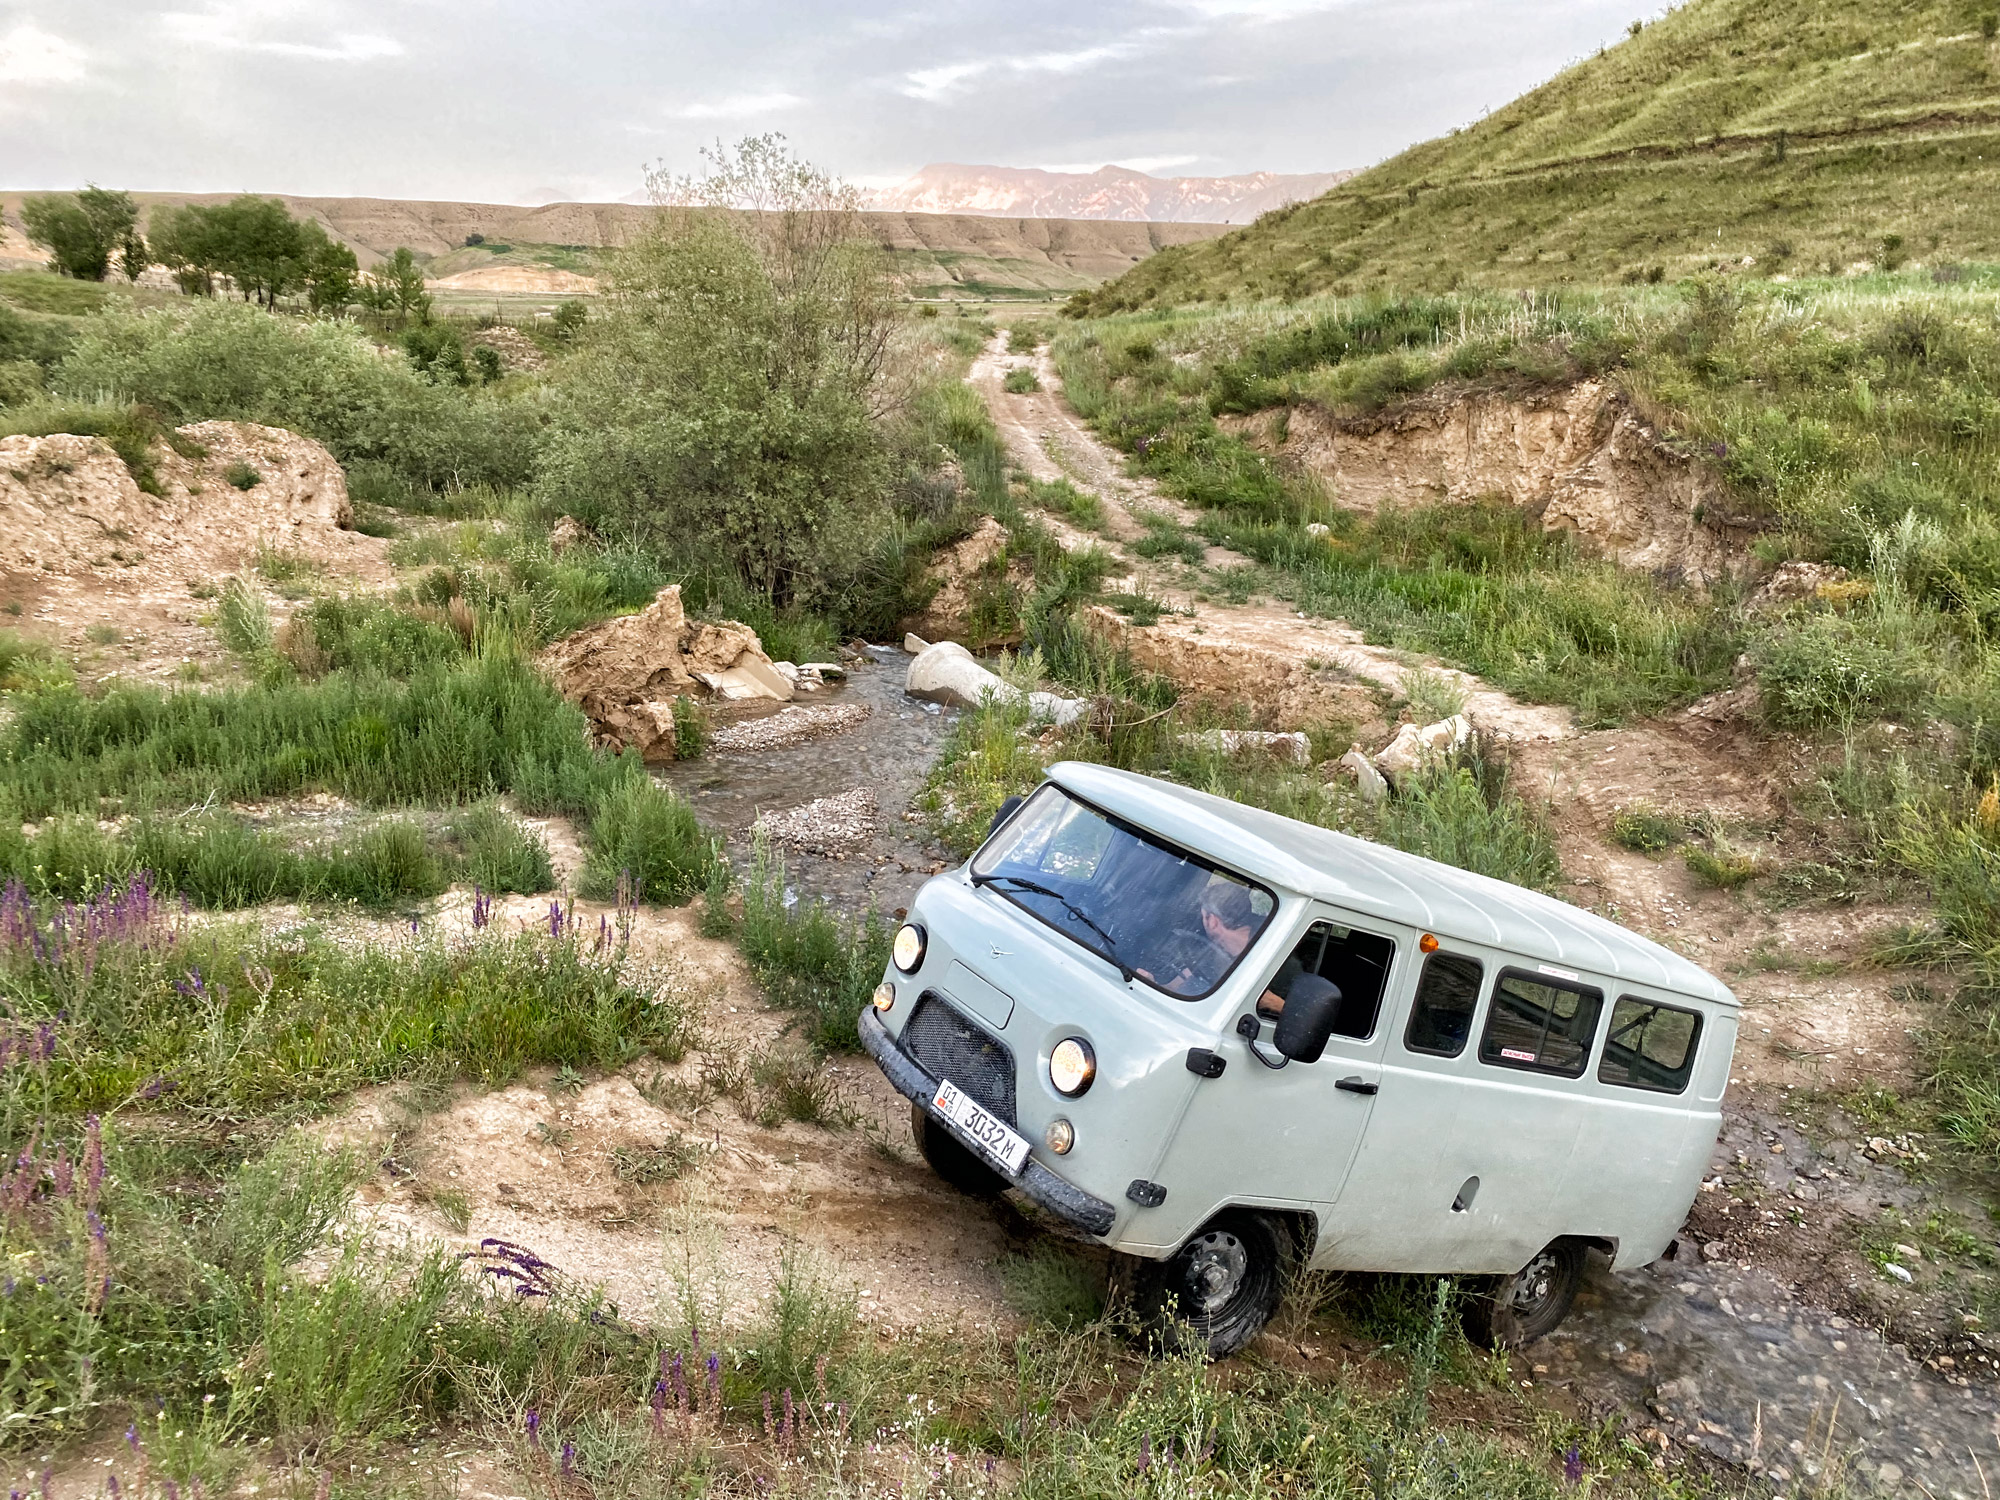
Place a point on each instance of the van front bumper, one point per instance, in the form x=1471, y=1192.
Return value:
x=1066, y=1201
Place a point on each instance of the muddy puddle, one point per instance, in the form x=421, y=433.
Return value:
x=885, y=757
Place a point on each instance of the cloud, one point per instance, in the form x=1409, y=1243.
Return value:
x=29, y=54
x=737, y=107
x=1256, y=10
x=933, y=84
x=216, y=29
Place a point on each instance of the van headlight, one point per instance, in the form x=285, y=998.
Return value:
x=908, y=950
x=1072, y=1065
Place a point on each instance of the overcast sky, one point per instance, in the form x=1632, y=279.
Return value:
x=525, y=101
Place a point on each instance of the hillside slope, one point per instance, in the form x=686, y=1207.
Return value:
x=1805, y=136
x=935, y=254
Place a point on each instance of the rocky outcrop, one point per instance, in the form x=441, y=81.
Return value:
x=625, y=673
x=69, y=503
x=1582, y=460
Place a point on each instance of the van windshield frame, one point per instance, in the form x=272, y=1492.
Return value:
x=1146, y=917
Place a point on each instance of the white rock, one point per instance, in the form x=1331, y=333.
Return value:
x=915, y=644
x=1414, y=747
x=789, y=670
x=1316, y=528
x=1899, y=1272
x=1369, y=780
x=948, y=673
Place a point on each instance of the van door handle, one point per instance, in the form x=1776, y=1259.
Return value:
x=1356, y=1086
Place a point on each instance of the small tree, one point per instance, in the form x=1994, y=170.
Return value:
x=727, y=399
x=396, y=289
x=332, y=273
x=185, y=242
x=81, y=231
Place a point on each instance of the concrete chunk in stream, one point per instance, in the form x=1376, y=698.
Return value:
x=948, y=673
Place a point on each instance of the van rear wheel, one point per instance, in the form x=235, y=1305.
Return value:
x=952, y=1159
x=1513, y=1311
x=1217, y=1291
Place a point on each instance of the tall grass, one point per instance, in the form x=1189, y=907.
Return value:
x=809, y=958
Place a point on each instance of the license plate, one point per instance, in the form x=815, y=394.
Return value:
x=990, y=1137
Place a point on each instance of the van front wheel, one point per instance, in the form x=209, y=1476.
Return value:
x=1217, y=1291
x=952, y=1159
x=1513, y=1311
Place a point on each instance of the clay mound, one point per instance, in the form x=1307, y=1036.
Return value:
x=625, y=673
x=959, y=575
x=69, y=503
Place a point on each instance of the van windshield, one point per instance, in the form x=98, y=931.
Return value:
x=1156, y=912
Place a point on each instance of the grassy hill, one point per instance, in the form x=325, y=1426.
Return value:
x=1805, y=136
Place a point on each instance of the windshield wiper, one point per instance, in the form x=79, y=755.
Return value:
x=1110, y=943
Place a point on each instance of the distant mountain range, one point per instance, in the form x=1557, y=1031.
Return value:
x=1109, y=193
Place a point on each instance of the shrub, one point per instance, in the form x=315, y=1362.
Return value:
x=320, y=378
x=1644, y=829
x=809, y=959
x=1021, y=382
x=1828, y=670
x=241, y=476
x=500, y=853
x=645, y=842
x=1720, y=867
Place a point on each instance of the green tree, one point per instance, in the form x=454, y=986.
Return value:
x=186, y=242
x=332, y=273
x=727, y=399
x=396, y=289
x=81, y=231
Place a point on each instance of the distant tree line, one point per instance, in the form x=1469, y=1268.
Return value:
x=250, y=245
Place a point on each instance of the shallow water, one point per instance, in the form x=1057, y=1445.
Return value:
x=888, y=753
x=1730, y=1361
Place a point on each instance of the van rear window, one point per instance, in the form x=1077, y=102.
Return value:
x=1447, y=995
x=1539, y=1024
x=1650, y=1046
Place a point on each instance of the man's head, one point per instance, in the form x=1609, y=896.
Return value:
x=1227, y=916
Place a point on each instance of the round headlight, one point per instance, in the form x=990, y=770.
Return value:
x=908, y=951
x=1061, y=1135
x=1072, y=1065
x=885, y=995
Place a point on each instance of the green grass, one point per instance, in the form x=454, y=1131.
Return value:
x=1021, y=382
x=1806, y=137
x=45, y=292
x=808, y=957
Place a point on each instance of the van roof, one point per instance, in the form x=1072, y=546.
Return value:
x=1380, y=881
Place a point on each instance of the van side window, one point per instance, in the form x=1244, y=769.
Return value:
x=1650, y=1046
x=1358, y=962
x=1447, y=994
x=1541, y=1024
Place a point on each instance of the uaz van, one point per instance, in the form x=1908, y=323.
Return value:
x=1225, y=1043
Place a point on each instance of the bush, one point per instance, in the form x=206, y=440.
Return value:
x=323, y=379
x=1644, y=829
x=646, y=843
x=807, y=958
x=500, y=853
x=1021, y=382
x=1830, y=670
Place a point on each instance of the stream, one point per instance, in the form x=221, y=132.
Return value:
x=1701, y=1354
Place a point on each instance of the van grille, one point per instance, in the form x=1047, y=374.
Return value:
x=946, y=1045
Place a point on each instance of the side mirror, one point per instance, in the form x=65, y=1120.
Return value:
x=1006, y=811
x=1310, y=1011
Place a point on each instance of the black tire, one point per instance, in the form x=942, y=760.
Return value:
x=1217, y=1291
x=1511, y=1312
x=952, y=1159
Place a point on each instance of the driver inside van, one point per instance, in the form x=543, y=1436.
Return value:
x=1229, y=921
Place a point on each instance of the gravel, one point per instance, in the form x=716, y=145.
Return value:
x=788, y=727
x=834, y=827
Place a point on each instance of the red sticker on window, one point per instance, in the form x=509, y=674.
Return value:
x=1516, y=1054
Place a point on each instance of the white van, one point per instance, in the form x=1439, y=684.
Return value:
x=1226, y=1044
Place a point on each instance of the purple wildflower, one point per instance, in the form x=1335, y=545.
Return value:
x=482, y=908
x=132, y=1436
x=534, y=1425
x=568, y=1459
x=659, y=1408
x=1573, y=1466
x=111, y=1485
x=680, y=1387
x=193, y=987
x=173, y=1491
x=715, y=1383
